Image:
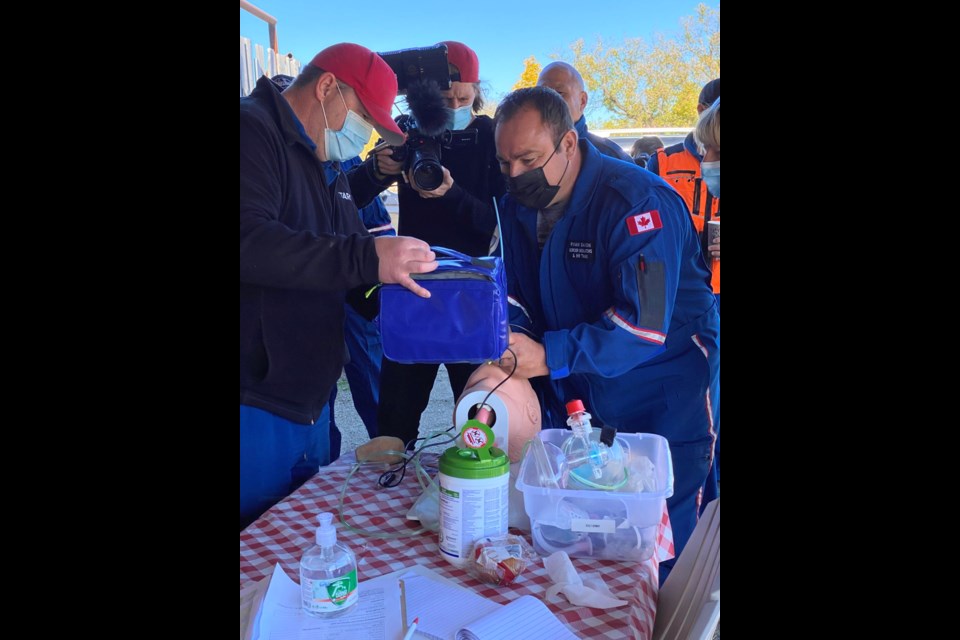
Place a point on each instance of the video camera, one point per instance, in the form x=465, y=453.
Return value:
x=422, y=74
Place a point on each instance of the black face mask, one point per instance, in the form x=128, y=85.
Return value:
x=531, y=189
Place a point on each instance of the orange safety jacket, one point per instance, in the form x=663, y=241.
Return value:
x=681, y=170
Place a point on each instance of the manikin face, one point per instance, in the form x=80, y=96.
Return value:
x=520, y=400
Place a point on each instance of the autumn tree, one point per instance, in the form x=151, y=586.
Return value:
x=652, y=84
x=531, y=71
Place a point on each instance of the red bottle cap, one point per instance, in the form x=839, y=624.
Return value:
x=574, y=406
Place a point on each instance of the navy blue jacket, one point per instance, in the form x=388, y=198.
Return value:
x=606, y=146
x=302, y=246
x=620, y=298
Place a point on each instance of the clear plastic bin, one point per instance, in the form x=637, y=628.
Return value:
x=613, y=525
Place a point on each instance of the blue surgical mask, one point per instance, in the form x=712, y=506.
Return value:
x=349, y=141
x=711, y=175
x=462, y=117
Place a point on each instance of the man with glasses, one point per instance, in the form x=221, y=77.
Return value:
x=303, y=247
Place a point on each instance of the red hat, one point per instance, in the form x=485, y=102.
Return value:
x=465, y=60
x=370, y=78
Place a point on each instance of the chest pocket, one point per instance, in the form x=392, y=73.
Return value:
x=587, y=289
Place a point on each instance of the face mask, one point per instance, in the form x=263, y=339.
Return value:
x=462, y=117
x=349, y=141
x=531, y=189
x=711, y=175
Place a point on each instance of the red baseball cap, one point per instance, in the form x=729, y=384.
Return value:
x=465, y=59
x=372, y=80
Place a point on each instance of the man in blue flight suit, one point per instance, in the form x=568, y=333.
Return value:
x=605, y=272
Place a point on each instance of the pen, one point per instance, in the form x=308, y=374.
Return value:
x=412, y=628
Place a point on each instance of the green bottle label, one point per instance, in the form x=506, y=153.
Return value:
x=341, y=590
x=331, y=595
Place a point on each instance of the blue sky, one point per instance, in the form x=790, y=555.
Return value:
x=502, y=33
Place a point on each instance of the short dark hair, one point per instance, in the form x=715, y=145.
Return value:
x=308, y=76
x=646, y=144
x=553, y=110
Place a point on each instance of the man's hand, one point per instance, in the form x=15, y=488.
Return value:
x=714, y=249
x=531, y=357
x=385, y=165
x=400, y=256
x=436, y=193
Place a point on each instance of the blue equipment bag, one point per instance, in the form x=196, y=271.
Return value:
x=464, y=320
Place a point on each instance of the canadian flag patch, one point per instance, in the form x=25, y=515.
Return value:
x=642, y=222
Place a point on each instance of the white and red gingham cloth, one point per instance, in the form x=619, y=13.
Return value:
x=284, y=532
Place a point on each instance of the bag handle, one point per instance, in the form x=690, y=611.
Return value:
x=477, y=262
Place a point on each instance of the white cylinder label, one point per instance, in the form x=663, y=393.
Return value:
x=470, y=510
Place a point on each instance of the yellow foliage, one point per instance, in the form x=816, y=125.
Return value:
x=531, y=71
x=371, y=143
x=653, y=84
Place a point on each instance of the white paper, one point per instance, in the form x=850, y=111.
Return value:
x=251, y=597
x=376, y=616
x=526, y=617
x=443, y=607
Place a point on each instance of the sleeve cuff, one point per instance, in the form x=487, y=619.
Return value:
x=372, y=174
x=453, y=193
x=555, y=345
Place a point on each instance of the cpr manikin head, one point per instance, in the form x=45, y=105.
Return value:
x=517, y=396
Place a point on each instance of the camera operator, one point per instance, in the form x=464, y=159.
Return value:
x=458, y=214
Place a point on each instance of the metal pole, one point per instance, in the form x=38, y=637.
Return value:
x=266, y=17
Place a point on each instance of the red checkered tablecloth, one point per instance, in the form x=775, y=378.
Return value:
x=284, y=532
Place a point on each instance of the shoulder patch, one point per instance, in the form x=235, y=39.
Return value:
x=643, y=222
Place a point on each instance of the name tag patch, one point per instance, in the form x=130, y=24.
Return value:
x=580, y=250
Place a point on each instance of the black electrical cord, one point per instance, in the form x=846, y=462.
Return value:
x=510, y=375
x=389, y=478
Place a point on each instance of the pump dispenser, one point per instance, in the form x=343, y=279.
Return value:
x=328, y=573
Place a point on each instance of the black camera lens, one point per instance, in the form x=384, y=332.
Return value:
x=427, y=174
x=423, y=160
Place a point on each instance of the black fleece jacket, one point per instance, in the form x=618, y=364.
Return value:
x=302, y=247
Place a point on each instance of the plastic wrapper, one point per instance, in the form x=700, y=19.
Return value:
x=500, y=559
x=427, y=508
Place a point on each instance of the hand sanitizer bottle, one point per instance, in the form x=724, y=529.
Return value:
x=328, y=574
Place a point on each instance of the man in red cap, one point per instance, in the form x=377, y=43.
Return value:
x=303, y=246
x=458, y=215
